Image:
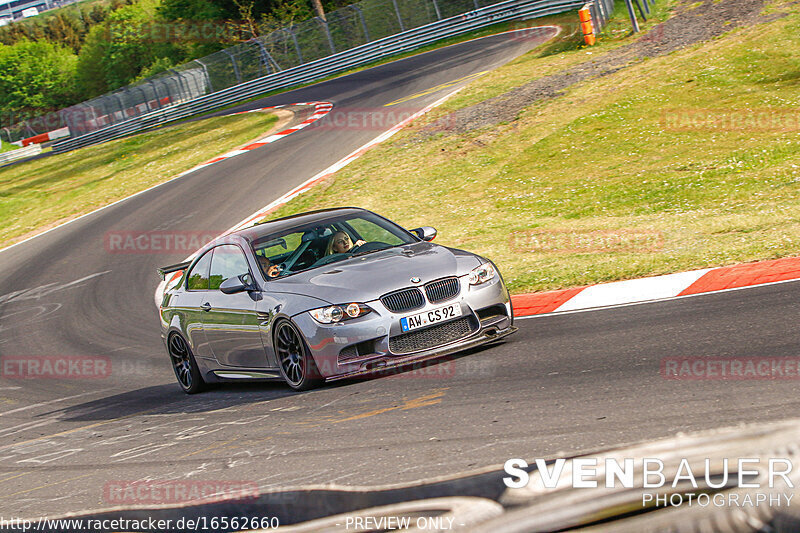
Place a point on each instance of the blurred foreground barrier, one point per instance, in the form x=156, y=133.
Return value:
x=705, y=481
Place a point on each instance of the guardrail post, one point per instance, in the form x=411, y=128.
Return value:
x=261, y=57
x=121, y=103
x=235, y=66
x=144, y=97
x=327, y=33
x=181, y=89
x=208, y=78
x=126, y=93
x=296, y=45
x=399, y=18
x=275, y=66
x=603, y=14
x=593, y=9
x=641, y=11
x=436, y=7
x=364, y=22
x=634, y=23
x=267, y=60
x=152, y=84
x=169, y=85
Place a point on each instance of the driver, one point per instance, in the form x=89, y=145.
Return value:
x=269, y=270
x=341, y=243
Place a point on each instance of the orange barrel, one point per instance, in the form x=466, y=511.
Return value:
x=586, y=25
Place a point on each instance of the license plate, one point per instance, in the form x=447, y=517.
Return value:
x=430, y=317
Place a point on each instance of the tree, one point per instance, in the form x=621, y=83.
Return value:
x=90, y=75
x=35, y=77
x=124, y=46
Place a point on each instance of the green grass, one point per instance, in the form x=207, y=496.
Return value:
x=6, y=147
x=37, y=194
x=602, y=158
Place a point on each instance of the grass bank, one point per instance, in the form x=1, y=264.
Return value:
x=37, y=194
x=676, y=162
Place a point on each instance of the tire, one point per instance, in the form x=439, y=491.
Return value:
x=296, y=364
x=184, y=365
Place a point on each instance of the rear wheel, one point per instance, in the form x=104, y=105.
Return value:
x=296, y=364
x=184, y=365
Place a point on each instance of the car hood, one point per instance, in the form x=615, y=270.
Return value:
x=369, y=276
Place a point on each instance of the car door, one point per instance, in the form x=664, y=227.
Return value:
x=230, y=321
x=189, y=303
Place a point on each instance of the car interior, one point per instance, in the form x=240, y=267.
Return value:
x=310, y=248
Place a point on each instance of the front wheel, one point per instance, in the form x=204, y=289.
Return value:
x=184, y=365
x=296, y=364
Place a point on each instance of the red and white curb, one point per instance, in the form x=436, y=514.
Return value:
x=320, y=110
x=306, y=185
x=44, y=137
x=658, y=287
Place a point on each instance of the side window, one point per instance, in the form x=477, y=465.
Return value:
x=198, y=277
x=228, y=261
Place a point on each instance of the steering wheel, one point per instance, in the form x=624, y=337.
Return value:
x=369, y=246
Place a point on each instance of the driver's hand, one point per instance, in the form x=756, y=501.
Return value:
x=274, y=271
x=359, y=242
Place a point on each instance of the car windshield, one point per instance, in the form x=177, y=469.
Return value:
x=325, y=242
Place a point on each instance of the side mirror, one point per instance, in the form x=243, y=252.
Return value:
x=237, y=284
x=426, y=233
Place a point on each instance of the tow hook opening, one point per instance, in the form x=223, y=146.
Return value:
x=380, y=363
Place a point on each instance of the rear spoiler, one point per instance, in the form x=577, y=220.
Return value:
x=163, y=271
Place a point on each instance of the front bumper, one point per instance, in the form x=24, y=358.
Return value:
x=374, y=366
x=370, y=343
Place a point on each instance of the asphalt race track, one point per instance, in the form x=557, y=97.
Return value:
x=564, y=383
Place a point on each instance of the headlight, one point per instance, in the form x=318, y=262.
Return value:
x=482, y=274
x=339, y=313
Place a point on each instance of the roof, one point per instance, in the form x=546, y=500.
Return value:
x=280, y=225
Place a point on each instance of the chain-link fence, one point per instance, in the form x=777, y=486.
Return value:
x=291, y=46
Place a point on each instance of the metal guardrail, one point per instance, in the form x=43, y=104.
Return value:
x=21, y=153
x=355, y=57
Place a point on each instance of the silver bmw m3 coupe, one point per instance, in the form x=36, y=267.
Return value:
x=326, y=295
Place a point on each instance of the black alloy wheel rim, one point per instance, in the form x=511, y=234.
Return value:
x=181, y=360
x=290, y=352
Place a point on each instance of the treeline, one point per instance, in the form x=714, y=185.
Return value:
x=81, y=51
